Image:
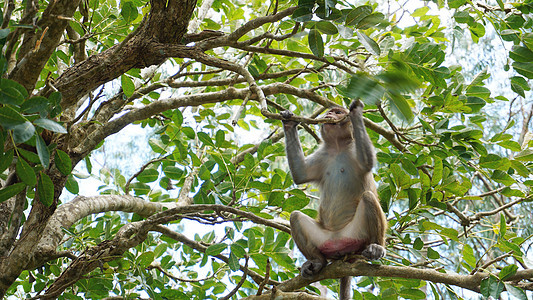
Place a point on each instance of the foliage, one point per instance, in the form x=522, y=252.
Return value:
x=210, y=209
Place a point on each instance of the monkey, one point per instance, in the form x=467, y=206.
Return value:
x=350, y=218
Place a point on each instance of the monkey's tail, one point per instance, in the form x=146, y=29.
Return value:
x=345, y=288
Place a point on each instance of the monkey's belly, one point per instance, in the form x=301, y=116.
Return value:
x=339, y=247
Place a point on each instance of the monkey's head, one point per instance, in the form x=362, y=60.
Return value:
x=338, y=131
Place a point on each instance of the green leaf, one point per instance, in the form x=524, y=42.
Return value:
x=519, y=84
x=507, y=272
x=129, y=11
x=205, y=138
x=238, y=250
x=12, y=92
x=517, y=293
x=418, y=244
x=157, y=146
x=42, y=151
x=173, y=172
x=503, y=225
x=63, y=162
x=511, y=145
x=515, y=21
x=233, y=262
x=11, y=96
x=145, y=259
x=6, y=159
x=370, y=21
x=401, y=107
x=520, y=168
x=432, y=254
x=363, y=87
x=411, y=293
x=252, y=244
x=55, y=98
x=327, y=27
x=160, y=250
x=72, y=185
x=357, y=14
x=4, y=32
x=468, y=256
x=294, y=203
x=253, y=70
x=495, y=162
x=316, y=44
x=521, y=54
x=463, y=17
x=215, y=249
x=11, y=190
x=34, y=105
x=302, y=14
x=23, y=132
x=502, y=177
x=128, y=87
x=527, y=38
x=369, y=44
x=475, y=104
x=491, y=287
x=478, y=91
x=456, y=3
x=510, y=35
x=420, y=12
x=45, y=189
x=189, y=132
x=50, y=125
x=10, y=117
x=526, y=155
x=401, y=178
x=148, y=175
x=437, y=171
x=477, y=30
x=25, y=172
x=524, y=68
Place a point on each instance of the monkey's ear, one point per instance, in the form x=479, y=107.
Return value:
x=355, y=104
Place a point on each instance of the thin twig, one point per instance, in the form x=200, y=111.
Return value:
x=267, y=276
x=241, y=282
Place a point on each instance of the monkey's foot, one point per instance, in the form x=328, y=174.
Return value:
x=312, y=267
x=374, y=251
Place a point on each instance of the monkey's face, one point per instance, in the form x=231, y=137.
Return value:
x=338, y=130
x=336, y=113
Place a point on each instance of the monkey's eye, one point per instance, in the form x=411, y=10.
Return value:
x=338, y=112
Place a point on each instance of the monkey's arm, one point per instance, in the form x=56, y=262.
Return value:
x=363, y=145
x=302, y=169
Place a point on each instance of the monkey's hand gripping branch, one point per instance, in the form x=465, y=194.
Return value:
x=287, y=116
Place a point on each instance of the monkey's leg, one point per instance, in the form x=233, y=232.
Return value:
x=308, y=235
x=369, y=223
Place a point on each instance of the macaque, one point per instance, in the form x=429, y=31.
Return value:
x=350, y=218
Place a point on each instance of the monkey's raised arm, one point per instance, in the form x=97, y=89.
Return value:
x=363, y=145
x=302, y=169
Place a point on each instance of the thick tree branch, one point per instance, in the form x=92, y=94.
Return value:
x=247, y=27
x=53, y=22
x=339, y=269
x=165, y=24
x=69, y=213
